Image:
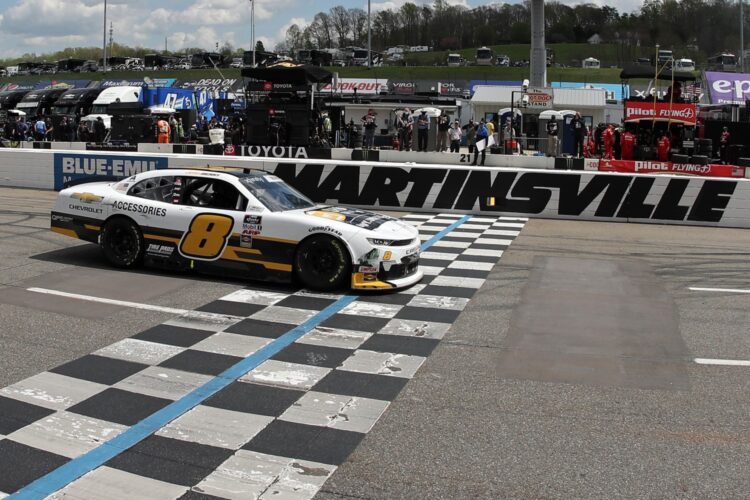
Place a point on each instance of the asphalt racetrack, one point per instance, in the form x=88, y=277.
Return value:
x=539, y=359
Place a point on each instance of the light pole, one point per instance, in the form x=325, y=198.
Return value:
x=252, y=28
x=104, y=40
x=742, y=36
x=369, y=37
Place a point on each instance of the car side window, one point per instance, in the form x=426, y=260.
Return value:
x=212, y=193
x=155, y=188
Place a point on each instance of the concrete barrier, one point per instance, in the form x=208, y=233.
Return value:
x=581, y=195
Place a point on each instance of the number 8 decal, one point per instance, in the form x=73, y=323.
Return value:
x=207, y=236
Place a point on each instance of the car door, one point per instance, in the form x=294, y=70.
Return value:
x=211, y=212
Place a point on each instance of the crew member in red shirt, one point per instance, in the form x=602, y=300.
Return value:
x=662, y=148
x=609, y=142
x=627, y=141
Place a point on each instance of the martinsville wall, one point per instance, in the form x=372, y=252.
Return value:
x=523, y=192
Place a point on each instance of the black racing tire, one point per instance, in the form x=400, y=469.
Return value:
x=322, y=263
x=122, y=243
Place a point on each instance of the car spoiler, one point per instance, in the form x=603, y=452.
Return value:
x=93, y=178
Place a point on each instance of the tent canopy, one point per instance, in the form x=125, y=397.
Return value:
x=295, y=74
x=648, y=72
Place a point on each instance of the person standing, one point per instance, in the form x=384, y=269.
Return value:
x=455, y=136
x=662, y=147
x=444, y=126
x=553, y=140
x=470, y=129
x=724, y=144
x=490, y=131
x=162, y=131
x=327, y=127
x=369, y=124
x=100, y=130
x=40, y=129
x=173, y=130
x=579, y=132
x=482, y=135
x=423, y=129
x=180, y=131
x=405, y=124
x=608, y=137
x=628, y=141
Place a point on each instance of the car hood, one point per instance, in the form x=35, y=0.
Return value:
x=378, y=225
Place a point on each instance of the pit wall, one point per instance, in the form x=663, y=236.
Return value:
x=521, y=192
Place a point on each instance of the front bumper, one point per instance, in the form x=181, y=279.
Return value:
x=388, y=275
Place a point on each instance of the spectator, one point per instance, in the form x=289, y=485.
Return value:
x=471, y=133
x=50, y=130
x=423, y=129
x=83, y=132
x=40, y=129
x=405, y=124
x=554, y=141
x=490, y=129
x=327, y=127
x=214, y=123
x=455, y=135
x=724, y=144
x=579, y=132
x=482, y=135
x=180, y=130
x=193, y=134
x=100, y=131
x=173, y=131
x=443, y=133
x=369, y=124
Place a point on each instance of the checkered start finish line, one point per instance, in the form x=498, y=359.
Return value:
x=260, y=393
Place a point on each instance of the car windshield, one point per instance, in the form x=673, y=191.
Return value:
x=275, y=194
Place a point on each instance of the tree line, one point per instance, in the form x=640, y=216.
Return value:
x=705, y=26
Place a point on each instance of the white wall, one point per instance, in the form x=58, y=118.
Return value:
x=579, y=195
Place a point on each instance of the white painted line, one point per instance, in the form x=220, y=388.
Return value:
x=121, y=303
x=722, y=362
x=725, y=290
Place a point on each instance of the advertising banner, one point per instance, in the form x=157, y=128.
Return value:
x=211, y=84
x=660, y=111
x=71, y=167
x=659, y=167
x=154, y=83
x=539, y=98
x=728, y=88
x=62, y=84
x=363, y=86
x=19, y=86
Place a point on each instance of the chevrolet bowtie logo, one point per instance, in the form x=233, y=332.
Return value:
x=87, y=197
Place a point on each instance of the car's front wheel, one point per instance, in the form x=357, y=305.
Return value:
x=122, y=243
x=322, y=263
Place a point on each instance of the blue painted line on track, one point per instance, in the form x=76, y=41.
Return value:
x=78, y=467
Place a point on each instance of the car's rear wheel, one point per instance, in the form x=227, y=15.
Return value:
x=322, y=263
x=122, y=243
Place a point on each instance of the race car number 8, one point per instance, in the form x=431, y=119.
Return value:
x=207, y=236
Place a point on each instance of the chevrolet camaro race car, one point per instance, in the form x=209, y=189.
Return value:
x=239, y=223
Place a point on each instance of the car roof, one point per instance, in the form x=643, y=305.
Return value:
x=206, y=172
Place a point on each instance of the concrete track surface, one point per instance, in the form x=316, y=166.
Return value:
x=562, y=366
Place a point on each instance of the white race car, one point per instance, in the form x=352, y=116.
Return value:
x=239, y=223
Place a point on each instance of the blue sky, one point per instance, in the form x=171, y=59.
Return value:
x=40, y=26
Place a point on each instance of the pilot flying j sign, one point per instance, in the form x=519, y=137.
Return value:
x=660, y=111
